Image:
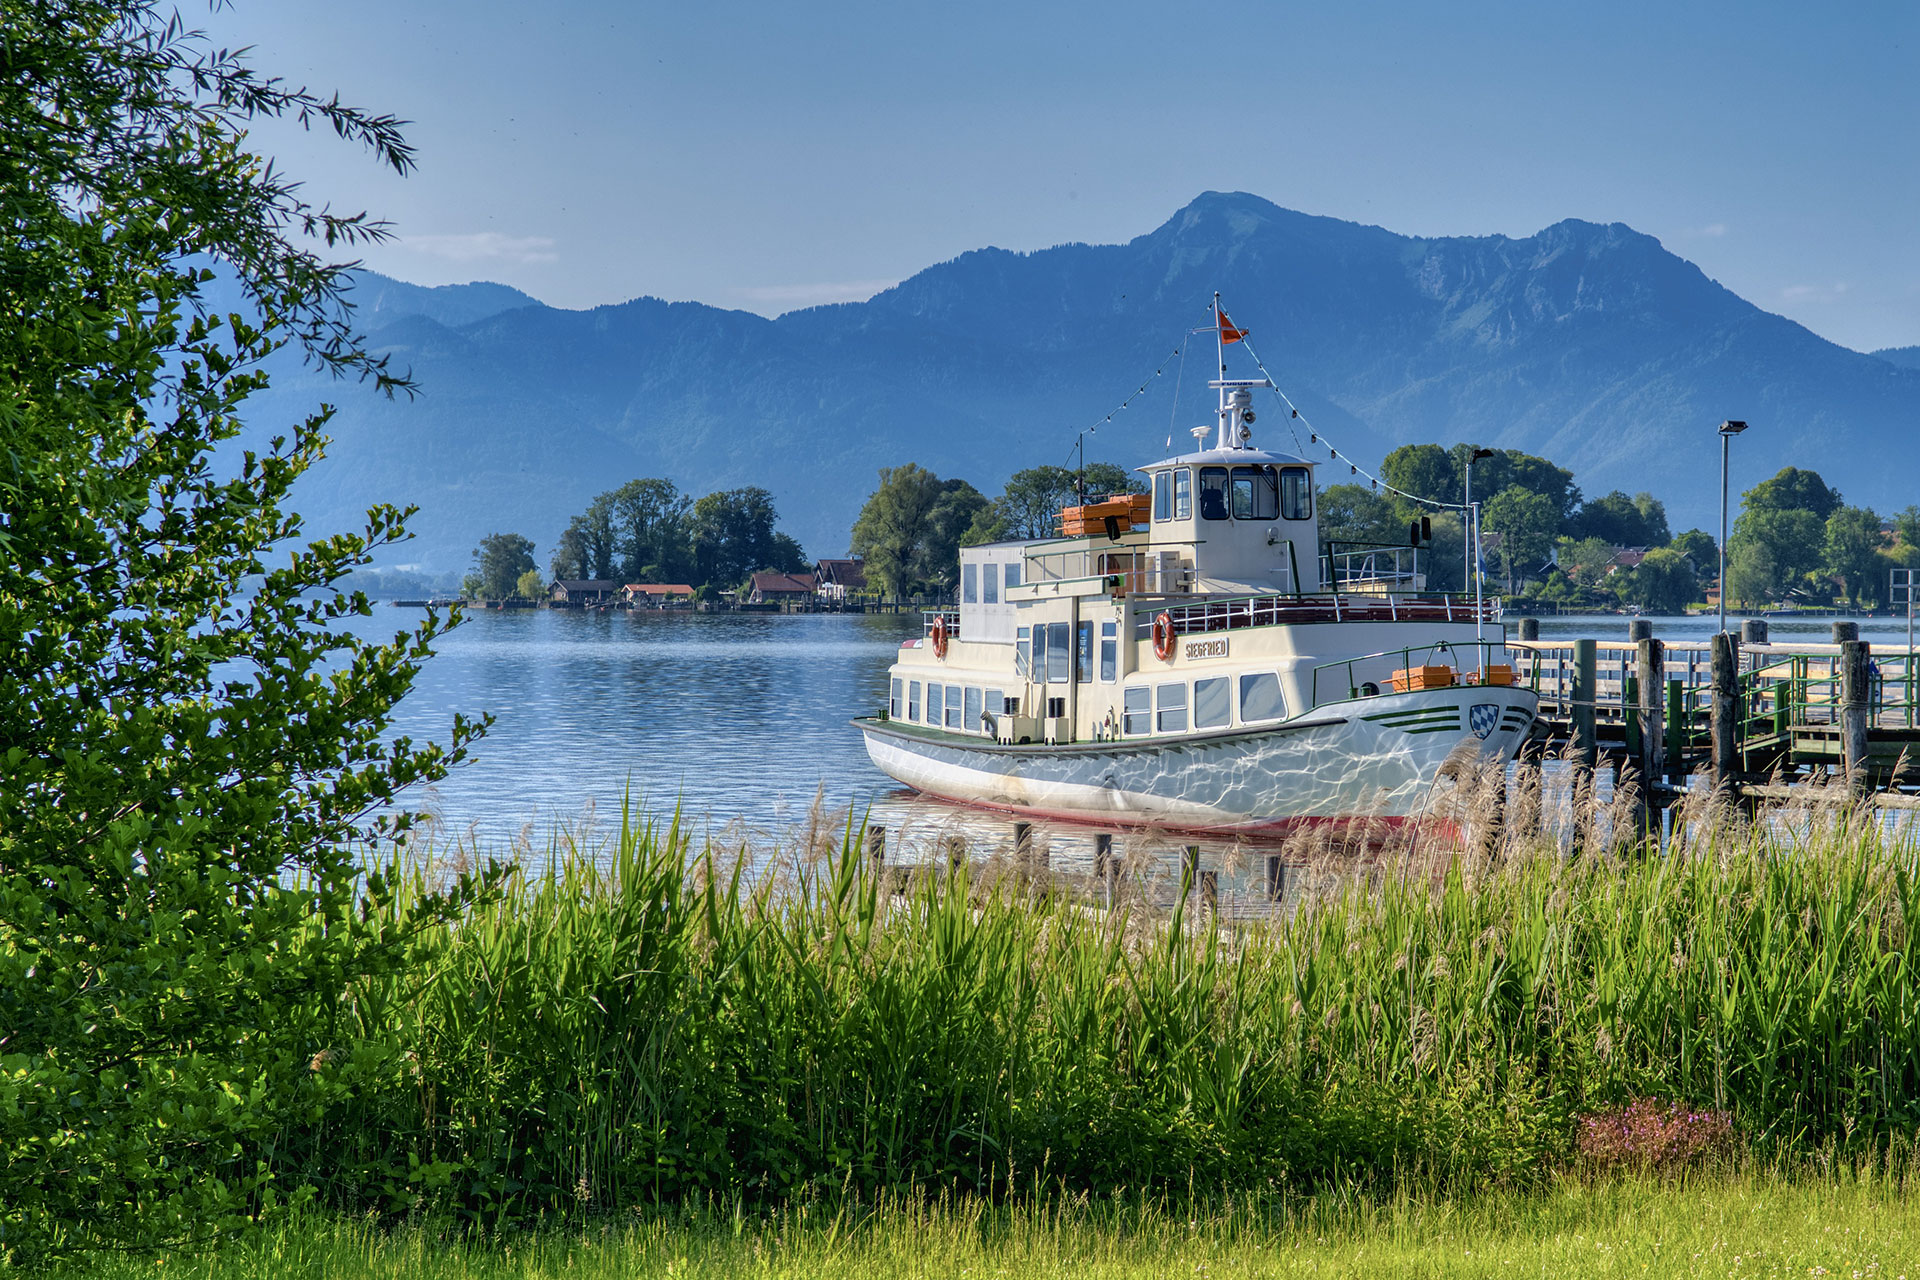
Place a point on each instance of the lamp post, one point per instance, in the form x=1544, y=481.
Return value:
x=1728, y=430
x=1472, y=514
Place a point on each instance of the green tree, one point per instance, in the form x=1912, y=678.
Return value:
x=193, y=755
x=1526, y=522
x=1356, y=513
x=1586, y=561
x=649, y=519
x=1792, y=489
x=530, y=585
x=1752, y=577
x=1699, y=547
x=1035, y=497
x=732, y=535
x=952, y=518
x=897, y=524
x=1639, y=521
x=1850, y=552
x=1794, y=539
x=499, y=561
x=1663, y=582
x=569, y=562
x=1425, y=471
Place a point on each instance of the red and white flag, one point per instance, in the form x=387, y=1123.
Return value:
x=1227, y=332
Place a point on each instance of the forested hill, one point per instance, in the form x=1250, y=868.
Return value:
x=1590, y=345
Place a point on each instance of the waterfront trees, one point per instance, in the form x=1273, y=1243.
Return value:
x=498, y=563
x=910, y=530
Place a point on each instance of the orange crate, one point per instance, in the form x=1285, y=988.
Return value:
x=1422, y=678
x=1496, y=673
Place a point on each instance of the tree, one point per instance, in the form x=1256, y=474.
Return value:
x=732, y=535
x=892, y=530
x=193, y=757
x=1526, y=522
x=1356, y=513
x=1752, y=577
x=1639, y=521
x=530, y=585
x=649, y=518
x=1794, y=539
x=1423, y=470
x=1586, y=561
x=1698, y=546
x=1850, y=551
x=1663, y=582
x=499, y=561
x=1792, y=489
x=569, y=562
x=952, y=518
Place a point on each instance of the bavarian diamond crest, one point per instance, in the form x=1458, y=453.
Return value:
x=1484, y=718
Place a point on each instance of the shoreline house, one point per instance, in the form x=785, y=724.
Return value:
x=837, y=579
x=582, y=591
x=775, y=588
x=656, y=595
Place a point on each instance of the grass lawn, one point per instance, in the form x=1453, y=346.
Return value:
x=1718, y=1225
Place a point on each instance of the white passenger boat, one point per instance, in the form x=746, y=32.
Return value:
x=1192, y=660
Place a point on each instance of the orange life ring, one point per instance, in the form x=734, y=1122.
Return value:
x=940, y=637
x=1163, y=636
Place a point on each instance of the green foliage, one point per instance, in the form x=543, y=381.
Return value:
x=1034, y=498
x=1792, y=489
x=1588, y=562
x=1425, y=471
x=499, y=562
x=732, y=535
x=1639, y=521
x=1357, y=513
x=1851, y=552
x=651, y=542
x=1699, y=547
x=1775, y=549
x=1525, y=521
x=530, y=585
x=192, y=757
x=910, y=531
x=1663, y=582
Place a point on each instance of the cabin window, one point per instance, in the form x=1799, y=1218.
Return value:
x=996, y=702
x=1163, y=496
x=1012, y=575
x=990, y=584
x=893, y=701
x=953, y=706
x=969, y=584
x=1256, y=493
x=913, y=701
x=1137, y=710
x=1183, y=494
x=1170, y=708
x=1039, y=672
x=1260, y=698
x=1109, y=651
x=1212, y=702
x=1059, y=654
x=1084, y=654
x=972, y=721
x=1023, y=653
x=1296, y=493
x=1056, y=708
x=935, y=693
x=1213, y=493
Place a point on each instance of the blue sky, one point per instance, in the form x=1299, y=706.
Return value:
x=769, y=156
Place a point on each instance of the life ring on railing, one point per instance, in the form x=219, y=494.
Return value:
x=939, y=637
x=1163, y=636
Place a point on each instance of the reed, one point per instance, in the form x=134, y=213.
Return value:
x=654, y=1022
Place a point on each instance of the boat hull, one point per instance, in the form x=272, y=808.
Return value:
x=1373, y=759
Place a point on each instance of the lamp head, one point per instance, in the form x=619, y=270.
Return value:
x=1732, y=427
x=1481, y=453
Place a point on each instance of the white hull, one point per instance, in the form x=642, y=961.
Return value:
x=1368, y=758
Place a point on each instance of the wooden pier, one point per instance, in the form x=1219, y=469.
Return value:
x=1746, y=711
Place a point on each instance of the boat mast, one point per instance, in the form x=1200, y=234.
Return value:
x=1220, y=346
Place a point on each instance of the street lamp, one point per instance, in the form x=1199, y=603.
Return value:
x=1728, y=430
x=1473, y=536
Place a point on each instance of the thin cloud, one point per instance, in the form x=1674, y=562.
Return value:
x=483, y=246
x=794, y=296
x=1814, y=292
x=1713, y=230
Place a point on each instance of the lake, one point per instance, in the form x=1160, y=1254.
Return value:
x=741, y=719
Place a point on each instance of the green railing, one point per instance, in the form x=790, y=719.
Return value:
x=1367, y=674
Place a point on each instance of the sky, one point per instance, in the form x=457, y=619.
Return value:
x=769, y=156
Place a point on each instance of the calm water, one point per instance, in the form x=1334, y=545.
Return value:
x=738, y=718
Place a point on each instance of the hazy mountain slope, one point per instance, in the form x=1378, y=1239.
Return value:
x=1589, y=344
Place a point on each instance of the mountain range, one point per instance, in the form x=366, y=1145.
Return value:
x=1588, y=344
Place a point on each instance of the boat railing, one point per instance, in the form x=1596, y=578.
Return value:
x=1372, y=567
x=1159, y=570
x=1366, y=674
x=1276, y=610
x=929, y=616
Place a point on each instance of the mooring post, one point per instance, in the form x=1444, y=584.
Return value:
x=1854, y=657
x=1651, y=670
x=1529, y=628
x=1104, y=869
x=877, y=845
x=1725, y=696
x=1276, y=878
x=1586, y=748
x=1753, y=631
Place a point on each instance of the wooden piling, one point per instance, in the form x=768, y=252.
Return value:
x=1854, y=657
x=1725, y=692
x=1105, y=870
x=1276, y=878
x=1650, y=669
x=1753, y=631
x=1529, y=628
x=1586, y=746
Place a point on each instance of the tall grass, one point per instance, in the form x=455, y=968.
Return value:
x=654, y=1024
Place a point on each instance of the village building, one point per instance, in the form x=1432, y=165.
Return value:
x=656, y=595
x=838, y=579
x=773, y=588
x=583, y=591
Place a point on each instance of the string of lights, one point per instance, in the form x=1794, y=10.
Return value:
x=1137, y=393
x=1314, y=436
